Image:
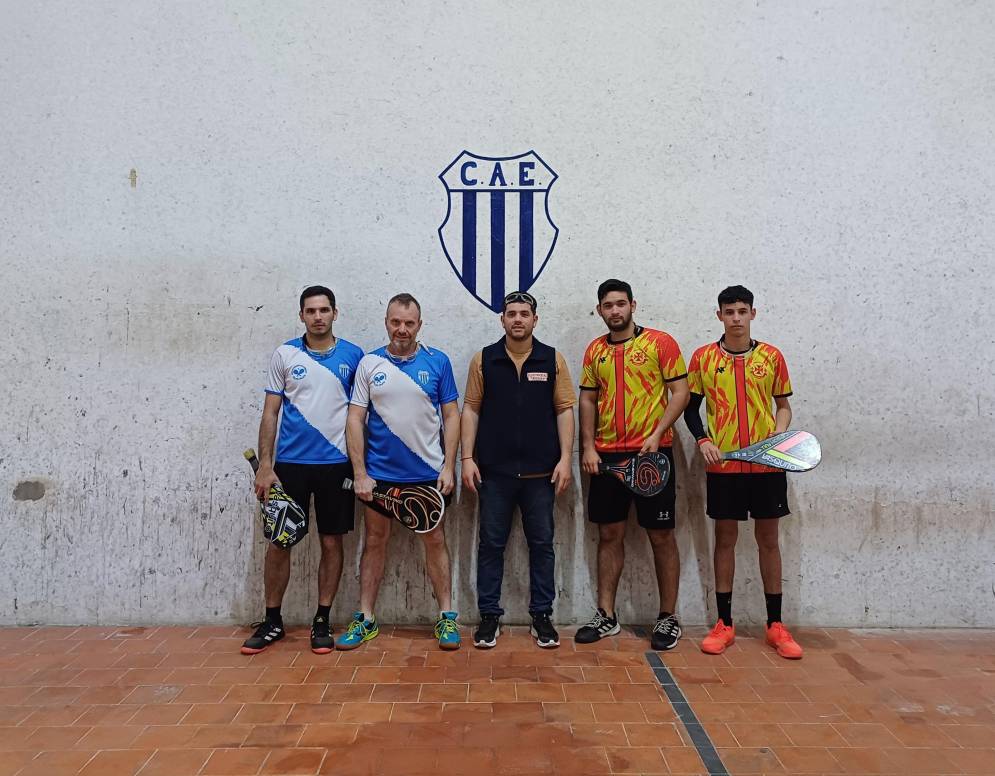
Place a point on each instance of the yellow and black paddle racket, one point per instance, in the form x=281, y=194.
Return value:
x=793, y=451
x=284, y=522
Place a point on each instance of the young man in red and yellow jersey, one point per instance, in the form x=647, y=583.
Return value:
x=624, y=410
x=745, y=386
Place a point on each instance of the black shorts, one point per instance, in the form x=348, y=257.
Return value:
x=608, y=500
x=736, y=496
x=334, y=510
x=383, y=484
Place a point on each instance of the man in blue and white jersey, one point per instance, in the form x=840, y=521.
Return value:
x=403, y=429
x=310, y=380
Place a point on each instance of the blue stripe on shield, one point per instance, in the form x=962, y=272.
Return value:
x=470, y=240
x=525, y=278
x=497, y=249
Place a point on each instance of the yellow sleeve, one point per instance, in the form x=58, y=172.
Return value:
x=587, y=377
x=694, y=374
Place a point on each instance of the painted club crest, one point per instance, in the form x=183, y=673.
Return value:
x=497, y=233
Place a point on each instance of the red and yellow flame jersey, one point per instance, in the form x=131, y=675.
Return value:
x=739, y=393
x=630, y=379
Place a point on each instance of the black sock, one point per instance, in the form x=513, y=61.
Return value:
x=274, y=616
x=773, y=608
x=324, y=611
x=723, y=602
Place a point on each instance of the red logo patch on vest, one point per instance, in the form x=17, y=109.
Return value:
x=638, y=357
x=537, y=377
x=759, y=371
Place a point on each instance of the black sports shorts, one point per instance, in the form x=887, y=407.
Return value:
x=334, y=510
x=608, y=500
x=737, y=496
x=383, y=484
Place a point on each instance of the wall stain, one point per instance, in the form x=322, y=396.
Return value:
x=29, y=490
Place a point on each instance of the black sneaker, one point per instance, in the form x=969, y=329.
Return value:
x=321, y=637
x=487, y=632
x=266, y=633
x=600, y=625
x=666, y=633
x=544, y=632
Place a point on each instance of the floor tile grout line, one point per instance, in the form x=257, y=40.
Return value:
x=699, y=737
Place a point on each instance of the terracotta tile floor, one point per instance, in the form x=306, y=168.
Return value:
x=178, y=701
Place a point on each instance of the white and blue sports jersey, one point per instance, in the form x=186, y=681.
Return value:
x=315, y=391
x=404, y=423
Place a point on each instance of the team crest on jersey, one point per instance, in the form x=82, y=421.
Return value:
x=637, y=358
x=759, y=371
x=344, y=371
x=299, y=372
x=423, y=377
x=379, y=378
x=497, y=234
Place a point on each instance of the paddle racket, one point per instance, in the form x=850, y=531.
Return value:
x=417, y=507
x=645, y=474
x=793, y=451
x=284, y=522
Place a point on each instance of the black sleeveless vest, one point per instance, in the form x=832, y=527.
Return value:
x=517, y=433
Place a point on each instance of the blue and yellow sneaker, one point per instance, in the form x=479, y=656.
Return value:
x=360, y=630
x=447, y=631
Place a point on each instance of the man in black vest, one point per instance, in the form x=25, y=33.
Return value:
x=517, y=440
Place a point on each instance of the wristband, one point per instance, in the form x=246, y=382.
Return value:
x=703, y=440
x=466, y=458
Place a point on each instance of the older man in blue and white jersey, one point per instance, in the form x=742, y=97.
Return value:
x=403, y=429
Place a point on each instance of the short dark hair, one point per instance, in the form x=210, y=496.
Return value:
x=405, y=299
x=614, y=285
x=317, y=291
x=734, y=294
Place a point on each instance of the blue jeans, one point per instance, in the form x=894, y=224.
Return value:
x=499, y=495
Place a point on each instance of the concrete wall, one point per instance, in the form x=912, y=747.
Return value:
x=838, y=158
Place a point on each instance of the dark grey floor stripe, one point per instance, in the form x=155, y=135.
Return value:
x=706, y=749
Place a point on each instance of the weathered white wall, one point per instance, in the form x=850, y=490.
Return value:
x=838, y=158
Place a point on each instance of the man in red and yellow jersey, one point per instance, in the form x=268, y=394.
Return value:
x=745, y=386
x=624, y=410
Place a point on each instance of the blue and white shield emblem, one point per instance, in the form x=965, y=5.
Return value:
x=497, y=234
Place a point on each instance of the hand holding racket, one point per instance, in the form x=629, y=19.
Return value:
x=284, y=522
x=417, y=507
x=645, y=474
x=793, y=451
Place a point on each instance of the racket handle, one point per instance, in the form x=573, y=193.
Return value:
x=250, y=456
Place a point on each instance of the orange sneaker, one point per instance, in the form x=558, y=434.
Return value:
x=779, y=638
x=720, y=637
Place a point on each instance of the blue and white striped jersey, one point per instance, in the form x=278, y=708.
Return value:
x=404, y=422
x=315, y=391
